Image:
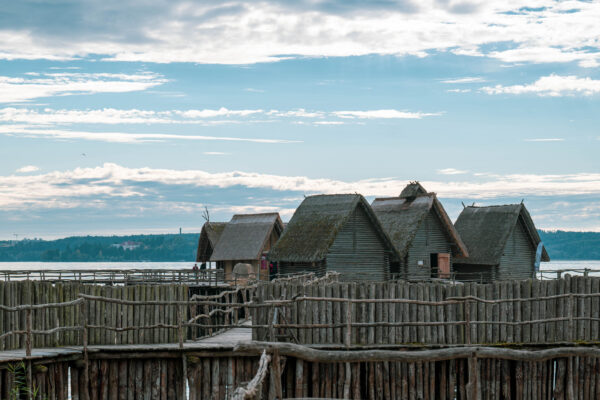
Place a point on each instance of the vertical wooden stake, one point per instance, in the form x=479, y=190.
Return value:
x=276, y=375
x=85, y=394
x=28, y=354
x=571, y=333
x=180, y=326
x=349, y=324
x=28, y=334
x=467, y=310
x=473, y=385
x=570, y=378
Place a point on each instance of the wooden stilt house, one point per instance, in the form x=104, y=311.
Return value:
x=422, y=233
x=209, y=236
x=246, y=239
x=335, y=233
x=502, y=243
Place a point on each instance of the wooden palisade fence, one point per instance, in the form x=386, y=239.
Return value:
x=398, y=313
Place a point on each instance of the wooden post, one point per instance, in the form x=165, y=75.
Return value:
x=28, y=334
x=571, y=333
x=467, y=310
x=348, y=376
x=28, y=354
x=180, y=326
x=85, y=394
x=275, y=378
x=473, y=385
x=348, y=324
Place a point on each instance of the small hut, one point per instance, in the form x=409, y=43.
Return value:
x=209, y=236
x=335, y=233
x=502, y=243
x=422, y=232
x=246, y=239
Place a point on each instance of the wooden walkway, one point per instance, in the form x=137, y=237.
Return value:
x=224, y=341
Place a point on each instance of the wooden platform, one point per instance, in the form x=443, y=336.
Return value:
x=224, y=341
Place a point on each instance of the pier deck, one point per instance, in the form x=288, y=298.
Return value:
x=220, y=342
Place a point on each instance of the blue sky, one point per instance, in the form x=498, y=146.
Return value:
x=119, y=117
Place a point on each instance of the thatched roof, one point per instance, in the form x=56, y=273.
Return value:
x=315, y=225
x=402, y=216
x=413, y=189
x=245, y=236
x=485, y=231
x=209, y=236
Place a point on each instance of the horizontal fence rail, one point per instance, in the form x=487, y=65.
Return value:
x=212, y=277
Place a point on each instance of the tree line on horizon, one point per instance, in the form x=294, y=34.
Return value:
x=561, y=245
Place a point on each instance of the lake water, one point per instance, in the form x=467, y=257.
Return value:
x=22, y=266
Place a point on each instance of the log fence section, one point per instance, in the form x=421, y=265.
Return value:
x=308, y=313
x=303, y=372
x=396, y=313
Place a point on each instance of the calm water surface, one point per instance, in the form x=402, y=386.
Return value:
x=553, y=265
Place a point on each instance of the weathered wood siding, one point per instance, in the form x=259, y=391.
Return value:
x=358, y=251
x=519, y=255
x=430, y=238
x=475, y=272
x=287, y=268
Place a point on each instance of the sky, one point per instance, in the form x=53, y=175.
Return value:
x=133, y=117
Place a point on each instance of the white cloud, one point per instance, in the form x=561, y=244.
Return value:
x=458, y=90
x=17, y=89
x=472, y=79
x=552, y=85
x=68, y=188
x=238, y=32
x=451, y=171
x=383, y=114
x=329, y=123
x=545, y=140
x=122, y=137
x=48, y=116
x=221, y=112
x=28, y=168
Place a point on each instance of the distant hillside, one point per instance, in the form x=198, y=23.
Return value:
x=103, y=248
x=563, y=245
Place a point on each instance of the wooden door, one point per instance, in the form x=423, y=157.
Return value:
x=444, y=265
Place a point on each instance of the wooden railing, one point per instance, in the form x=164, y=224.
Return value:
x=210, y=277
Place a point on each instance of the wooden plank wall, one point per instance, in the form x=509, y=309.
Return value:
x=99, y=313
x=313, y=312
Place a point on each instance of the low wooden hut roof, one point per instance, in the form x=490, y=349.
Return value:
x=245, y=236
x=402, y=216
x=485, y=231
x=315, y=225
x=209, y=236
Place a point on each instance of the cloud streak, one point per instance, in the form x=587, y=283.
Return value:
x=65, y=188
x=35, y=85
x=123, y=137
x=550, y=86
x=111, y=116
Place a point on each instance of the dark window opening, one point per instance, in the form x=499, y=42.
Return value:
x=433, y=264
